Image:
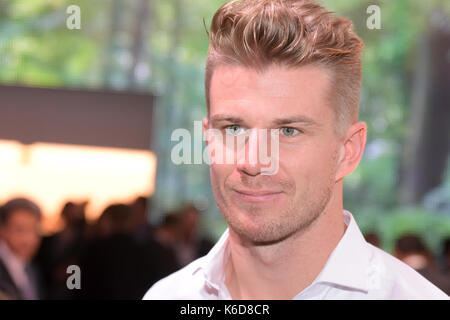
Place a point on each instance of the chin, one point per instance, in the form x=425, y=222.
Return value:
x=258, y=228
x=267, y=225
x=26, y=255
x=261, y=236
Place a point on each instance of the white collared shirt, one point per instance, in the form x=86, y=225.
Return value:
x=354, y=270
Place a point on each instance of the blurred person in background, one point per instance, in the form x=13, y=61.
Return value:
x=411, y=249
x=116, y=219
x=191, y=244
x=141, y=226
x=179, y=234
x=167, y=235
x=63, y=249
x=373, y=238
x=446, y=256
x=115, y=265
x=159, y=254
x=20, y=237
x=167, y=232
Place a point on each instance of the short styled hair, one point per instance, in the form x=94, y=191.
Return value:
x=259, y=33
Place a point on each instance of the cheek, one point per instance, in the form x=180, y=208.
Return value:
x=299, y=162
x=307, y=165
x=28, y=239
x=219, y=174
x=17, y=242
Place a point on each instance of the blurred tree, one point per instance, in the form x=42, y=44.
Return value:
x=138, y=66
x=428, y=144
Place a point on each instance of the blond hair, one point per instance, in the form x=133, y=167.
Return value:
x=293, y=33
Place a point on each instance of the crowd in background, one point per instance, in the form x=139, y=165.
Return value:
x=121, y=255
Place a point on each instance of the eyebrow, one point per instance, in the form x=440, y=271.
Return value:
x=279, y=121
x=297, y=119
x=226, y=117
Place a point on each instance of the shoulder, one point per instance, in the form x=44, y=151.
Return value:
x=182, y=284
x=8, y=288
x=394, y=279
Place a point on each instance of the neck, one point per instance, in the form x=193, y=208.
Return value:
x=283, y=269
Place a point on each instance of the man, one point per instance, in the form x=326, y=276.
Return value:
x=19, y=241
x=62, y=249
x=188, y=244
x=293, y=67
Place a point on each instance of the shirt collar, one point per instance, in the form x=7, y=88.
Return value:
x=10, y=258
x=347, y=265
x=214, y=263
x=14, y=265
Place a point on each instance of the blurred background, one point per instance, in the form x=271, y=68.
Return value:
x=86, y=117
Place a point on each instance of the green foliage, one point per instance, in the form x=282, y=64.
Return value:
x=391, y=224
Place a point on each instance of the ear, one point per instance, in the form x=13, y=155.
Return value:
x=352, y=150
x=205, y=127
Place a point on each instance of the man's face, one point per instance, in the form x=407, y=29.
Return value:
x=269, y=208
x=22, y=233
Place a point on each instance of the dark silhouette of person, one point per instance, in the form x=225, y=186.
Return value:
x=180, y=232
x=115, y=265
x=62, y=249
x=159, y=257
x=411, y=249
x=373, y=238
x=141, y=226
x=446, y=256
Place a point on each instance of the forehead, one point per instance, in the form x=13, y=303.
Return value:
x=275, y=91
x=20, y=216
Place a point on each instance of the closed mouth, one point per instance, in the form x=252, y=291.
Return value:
x=256, y=195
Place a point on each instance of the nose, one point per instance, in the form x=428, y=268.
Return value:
x=248, y=160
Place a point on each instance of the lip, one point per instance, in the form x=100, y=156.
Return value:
x=256, y=195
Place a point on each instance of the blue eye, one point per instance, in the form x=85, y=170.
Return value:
x=289, y=131
x=234, y=130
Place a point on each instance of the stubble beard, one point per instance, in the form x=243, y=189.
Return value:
x=274, y=223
